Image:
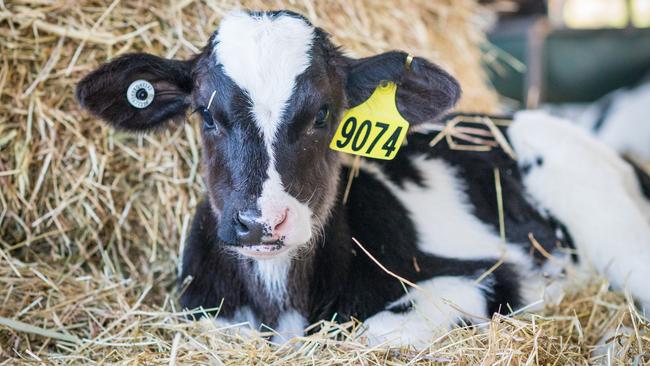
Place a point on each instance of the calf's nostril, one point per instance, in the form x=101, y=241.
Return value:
x=282, y=219
x=247, y=228
x=241, y=225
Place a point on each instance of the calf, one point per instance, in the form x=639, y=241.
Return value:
x=274, y=243
x=620, y=120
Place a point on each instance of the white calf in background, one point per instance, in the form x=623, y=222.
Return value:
x=595, y=193
x=620, y=119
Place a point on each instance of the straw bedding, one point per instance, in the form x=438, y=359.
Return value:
x=91, y=220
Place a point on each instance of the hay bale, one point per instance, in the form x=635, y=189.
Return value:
x=73, y=185
x=91, y=219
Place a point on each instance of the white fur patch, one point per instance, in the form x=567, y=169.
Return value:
x=443, y=216
x=290, y=324
x=447, y=227
x=593, y=192
x=273, y=273
x=243, y=322
x=435, y=311
x=627, y=126
x=245, y=315
x=264, y=55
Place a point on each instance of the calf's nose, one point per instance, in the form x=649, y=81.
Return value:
x=247, y=227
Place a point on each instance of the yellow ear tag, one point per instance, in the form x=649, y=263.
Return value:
x=374, y=128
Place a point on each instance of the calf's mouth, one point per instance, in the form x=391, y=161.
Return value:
x=262, y=250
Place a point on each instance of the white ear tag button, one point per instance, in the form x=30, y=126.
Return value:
x=140, y=93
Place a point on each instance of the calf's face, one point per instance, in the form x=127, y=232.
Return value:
x=270, y=89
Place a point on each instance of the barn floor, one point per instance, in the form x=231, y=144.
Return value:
x=90, y=218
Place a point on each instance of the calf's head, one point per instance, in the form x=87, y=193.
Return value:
x=270, y=89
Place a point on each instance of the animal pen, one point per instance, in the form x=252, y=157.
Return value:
x=92, y=220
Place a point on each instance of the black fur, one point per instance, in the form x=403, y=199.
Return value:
x=401, y=308
x=103, y=92
x=642, y=176
x=341, y=280
x=604, y=109
x=521, y=217
x=425, y=90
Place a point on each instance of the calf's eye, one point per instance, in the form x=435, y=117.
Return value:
x=322, y=116
x=208, y=121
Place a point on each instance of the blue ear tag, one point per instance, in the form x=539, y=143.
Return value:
x=140, y=94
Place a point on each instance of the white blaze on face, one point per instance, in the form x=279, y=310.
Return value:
x=264, y=55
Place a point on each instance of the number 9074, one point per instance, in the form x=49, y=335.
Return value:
x=375, y=139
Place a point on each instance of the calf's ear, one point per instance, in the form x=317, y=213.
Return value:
x=424, y=90
x=137, y=92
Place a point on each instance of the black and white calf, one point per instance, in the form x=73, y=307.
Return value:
x=620, y=119
x=273, y=241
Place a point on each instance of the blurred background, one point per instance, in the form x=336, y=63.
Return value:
x=587, y=60
x=568, y=51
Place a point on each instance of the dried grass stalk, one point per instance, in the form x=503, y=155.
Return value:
x=91, y=219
